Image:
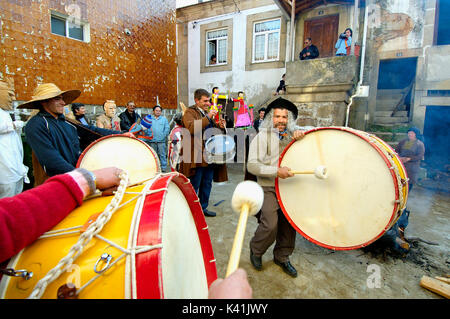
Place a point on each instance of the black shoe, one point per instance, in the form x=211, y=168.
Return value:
x=255, y=260
x=287, y=267
x=209, y=213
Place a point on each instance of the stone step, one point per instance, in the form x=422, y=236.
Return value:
x=389, y=113
x=390, y=120
x=385, y=108
x=383, y=102
x=383, y=96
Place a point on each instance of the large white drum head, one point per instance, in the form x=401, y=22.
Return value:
x=349, y=209
x=126, y=153
x=183, y=267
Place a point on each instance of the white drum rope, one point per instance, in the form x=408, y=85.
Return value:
x=394, y=167
x=84, y=239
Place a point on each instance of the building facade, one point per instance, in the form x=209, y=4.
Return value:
x=393, y=77
x=110, y=50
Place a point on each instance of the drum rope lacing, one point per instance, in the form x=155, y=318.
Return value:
x=389, y=156
x=84, y=239
x=92, y=231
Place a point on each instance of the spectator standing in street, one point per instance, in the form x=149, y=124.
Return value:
x=160, y=128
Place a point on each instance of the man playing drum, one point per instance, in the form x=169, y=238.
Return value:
x=275, y=133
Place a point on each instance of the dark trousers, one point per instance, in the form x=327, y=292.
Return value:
x=273, y=226
x=202, y=183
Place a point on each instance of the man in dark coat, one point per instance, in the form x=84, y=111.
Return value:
x=129, y=117
x=310, y=51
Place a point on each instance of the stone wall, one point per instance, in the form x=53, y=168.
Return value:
x=129, y=50
x=321, y=89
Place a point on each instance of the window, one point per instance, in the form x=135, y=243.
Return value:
x=69, y=27
x=266, y=41
x=216, y=48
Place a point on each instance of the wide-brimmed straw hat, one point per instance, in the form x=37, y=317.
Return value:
x=281, y=103
x=47, y=91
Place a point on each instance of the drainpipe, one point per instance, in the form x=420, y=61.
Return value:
x=361, y=70
x=292, y=30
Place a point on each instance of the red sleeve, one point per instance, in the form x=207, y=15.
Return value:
x=26, y=216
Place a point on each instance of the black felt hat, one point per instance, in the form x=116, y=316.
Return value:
x=281, y=103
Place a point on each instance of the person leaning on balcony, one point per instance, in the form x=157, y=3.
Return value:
x=344, y=41
x=310, y=51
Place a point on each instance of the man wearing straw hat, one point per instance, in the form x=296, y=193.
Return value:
x=275, y=132
x=54, y=141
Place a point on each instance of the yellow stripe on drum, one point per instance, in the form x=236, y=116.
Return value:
x=45, y=253
x=400, y=169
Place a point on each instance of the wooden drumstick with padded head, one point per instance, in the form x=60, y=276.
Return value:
x=247, y=200
x=320, y=172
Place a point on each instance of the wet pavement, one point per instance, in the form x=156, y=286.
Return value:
x=377, y=271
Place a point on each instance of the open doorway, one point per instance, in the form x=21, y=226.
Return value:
x=396, y=78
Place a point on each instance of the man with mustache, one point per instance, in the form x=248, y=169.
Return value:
x=275, y=133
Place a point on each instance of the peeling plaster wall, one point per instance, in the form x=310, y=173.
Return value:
x=397, y=25
x=257, y=85
x=112, y=65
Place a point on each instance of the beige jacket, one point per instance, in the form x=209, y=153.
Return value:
x=264, y=153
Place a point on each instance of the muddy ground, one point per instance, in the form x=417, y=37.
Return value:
x=376, y=271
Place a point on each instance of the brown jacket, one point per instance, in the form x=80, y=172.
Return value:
x=194, y=118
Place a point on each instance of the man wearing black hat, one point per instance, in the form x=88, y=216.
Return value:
x=275, y=133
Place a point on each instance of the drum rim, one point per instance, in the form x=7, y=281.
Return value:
x=394, y=177
x=158, y=164
x=151, y=223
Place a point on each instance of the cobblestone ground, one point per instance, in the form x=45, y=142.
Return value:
x=374, y=272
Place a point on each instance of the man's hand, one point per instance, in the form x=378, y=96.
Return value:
x=212, y=113
x=222, y=123
x=284, y=172
x=235, y=286
x=405, y=159
x=129, y=134
x=107, y=177
x=298, y=134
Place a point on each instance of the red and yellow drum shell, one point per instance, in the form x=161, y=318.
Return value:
x=152, y=207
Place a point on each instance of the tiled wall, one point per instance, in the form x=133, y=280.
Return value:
x=113, y=65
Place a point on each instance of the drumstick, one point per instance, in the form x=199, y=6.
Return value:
x=247, y=200
x=320, y=172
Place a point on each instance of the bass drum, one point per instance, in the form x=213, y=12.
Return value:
x=129, y=154
x=363, y=196
x=156, y=245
